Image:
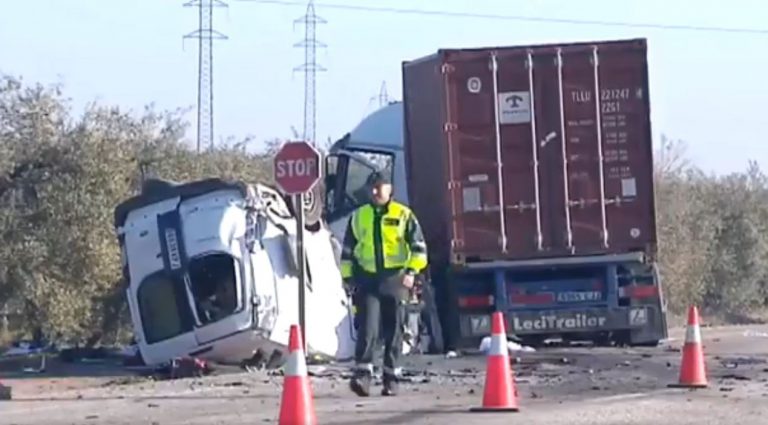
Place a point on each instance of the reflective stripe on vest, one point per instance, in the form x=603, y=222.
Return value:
x=394, y=249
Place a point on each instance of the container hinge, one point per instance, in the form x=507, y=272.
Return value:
x=456, y=243
x=493, y=64
x=453, y=184
x=446, y=68
x=450, y=126
x=503, y=242
x=529, y=61
x=522, y=206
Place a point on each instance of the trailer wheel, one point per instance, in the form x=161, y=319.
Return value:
x=624, y=338
x=430, y=320
x=535, y=341
x=651, y=344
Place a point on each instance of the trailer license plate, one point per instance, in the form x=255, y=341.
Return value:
x=571, y=297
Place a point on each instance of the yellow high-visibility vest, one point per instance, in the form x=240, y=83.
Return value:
x=396, y=252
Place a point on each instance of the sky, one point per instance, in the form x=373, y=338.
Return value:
x=707, y=87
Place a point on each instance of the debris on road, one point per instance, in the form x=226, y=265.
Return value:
x=40, y=369
x=5, y=392
x=736, y=377
x=485, y=345
x=183, y=367
x=751, y=333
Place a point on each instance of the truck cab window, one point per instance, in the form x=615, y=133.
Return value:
x=163, y=307
x=355, y=189
x=214, y=286
x=331, y=163
x=346, y=189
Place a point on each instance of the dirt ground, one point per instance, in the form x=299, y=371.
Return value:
x=575, y=385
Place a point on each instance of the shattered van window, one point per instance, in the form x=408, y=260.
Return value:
x=214, y=286
x=164, y=308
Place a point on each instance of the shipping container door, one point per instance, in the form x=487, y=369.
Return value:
x=607, y=149
x=477, y=144
x=584, y=151
x=472, y=155
x=627, y=148
x=517, y=136
x=543, y=128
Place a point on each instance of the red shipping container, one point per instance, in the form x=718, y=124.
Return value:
x=559, y=136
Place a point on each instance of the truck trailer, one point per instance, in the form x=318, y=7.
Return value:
x=531, y=171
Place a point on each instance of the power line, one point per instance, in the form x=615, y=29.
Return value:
x=205, y=34
x=310, y=67
x=470, y=15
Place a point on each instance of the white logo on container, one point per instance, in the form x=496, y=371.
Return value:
x=474, y=85
x=514, y=107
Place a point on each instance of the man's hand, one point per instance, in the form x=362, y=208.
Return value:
x=408, y=280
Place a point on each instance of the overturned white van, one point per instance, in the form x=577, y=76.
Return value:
x=211, y=273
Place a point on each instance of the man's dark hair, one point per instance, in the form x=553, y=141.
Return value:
x=377, y=179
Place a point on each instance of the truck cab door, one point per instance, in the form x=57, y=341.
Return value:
x=349, y=190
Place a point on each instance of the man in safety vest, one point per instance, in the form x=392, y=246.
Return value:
x=383, y=250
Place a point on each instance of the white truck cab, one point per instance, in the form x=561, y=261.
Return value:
x=211, y=273
x=375, y=144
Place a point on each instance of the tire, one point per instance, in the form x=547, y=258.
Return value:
x=430, y=321
x=535, y=341
x=446, y=300
x=651, y=344
x=623, y=338
x=313, y=207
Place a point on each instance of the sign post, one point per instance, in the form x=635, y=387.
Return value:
x=297, y=171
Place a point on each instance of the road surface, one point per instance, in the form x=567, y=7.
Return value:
x=568, y=386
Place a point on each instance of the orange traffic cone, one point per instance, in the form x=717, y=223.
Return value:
x=500, y=393
x=693, y=371
x=296, y=406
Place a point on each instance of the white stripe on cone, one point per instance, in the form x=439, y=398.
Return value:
x=498, y=346
x=296, y=366
x=693, y=335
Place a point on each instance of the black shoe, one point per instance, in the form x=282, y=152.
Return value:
x=391, y=387
x=361, y=385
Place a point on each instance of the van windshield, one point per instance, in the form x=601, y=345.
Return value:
x=213, y=280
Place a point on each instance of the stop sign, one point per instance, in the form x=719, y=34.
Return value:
x=297, y=167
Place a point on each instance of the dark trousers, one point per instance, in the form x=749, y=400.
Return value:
x=380, y=310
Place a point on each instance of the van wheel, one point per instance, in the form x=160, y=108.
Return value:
x=313, y=207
